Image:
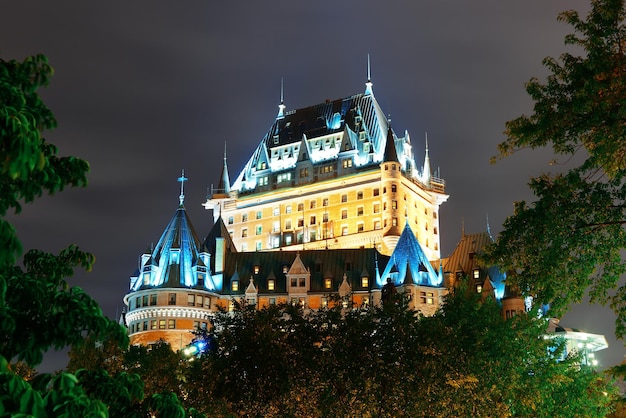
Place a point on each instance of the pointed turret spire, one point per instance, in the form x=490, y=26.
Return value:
x=182, y=179
x=368, y=85
x=426, y=168
x=281, y=106
x=390, y=146
x=224, y=184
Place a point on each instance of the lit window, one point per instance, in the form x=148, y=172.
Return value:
x=270, y=284
x=304, y=172
x=394, y=204
x=324, y=302
x=427, y=298
x=256, y=269
x=285, y=269
x=347, y=163
x=161, y=323
x=234, y=286
x=328, y=283
x=394, y=222
x=479, y=288
x=476, y=274
x=365, y=281
x=171, y=323
x=191, y=300
x=146, y=279
x=153, y=324
x=283, y=177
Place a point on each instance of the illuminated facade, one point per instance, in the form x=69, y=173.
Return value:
x=330, y=176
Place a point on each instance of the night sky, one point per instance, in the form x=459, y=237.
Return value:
x=144, y=89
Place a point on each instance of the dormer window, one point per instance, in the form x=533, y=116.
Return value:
x=234, y=286
x=476, y=274
x=365, y=281
x=256, y=269
x=271, y=284
x=146, y=279
x=328, y=283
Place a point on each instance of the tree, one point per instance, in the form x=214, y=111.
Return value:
x=570, y=240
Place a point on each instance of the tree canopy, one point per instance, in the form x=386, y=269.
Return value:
x=570, y=240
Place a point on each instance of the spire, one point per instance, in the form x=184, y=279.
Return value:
x=426, y=168
x=224, y=184
x=368, y=85
x=390, y=146
x=281, y=106
x=182, y=179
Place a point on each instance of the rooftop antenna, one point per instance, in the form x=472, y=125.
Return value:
x=368, y=85
x=182, y=179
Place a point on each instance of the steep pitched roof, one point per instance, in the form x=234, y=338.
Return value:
x=175, y=257
x=409, y=259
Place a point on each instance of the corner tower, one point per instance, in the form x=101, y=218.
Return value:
x=172, y=292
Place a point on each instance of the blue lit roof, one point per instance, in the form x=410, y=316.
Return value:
x=354, y=127
x=408, y=263
x=179, y=259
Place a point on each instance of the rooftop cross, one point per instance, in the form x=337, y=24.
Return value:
x=182, y=180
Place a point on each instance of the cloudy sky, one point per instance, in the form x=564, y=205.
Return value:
x=144, y=89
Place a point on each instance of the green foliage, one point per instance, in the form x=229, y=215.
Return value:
x=570, y=239
x=466, y=360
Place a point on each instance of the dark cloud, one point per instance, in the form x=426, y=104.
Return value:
x=144, y=89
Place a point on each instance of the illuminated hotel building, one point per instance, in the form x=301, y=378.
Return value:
x=334, y=175
x=335, y=189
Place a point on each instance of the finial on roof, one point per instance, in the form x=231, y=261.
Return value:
x=368, y=85
x=182, y=179
x=426, y=168
x=281, y=106
x=489, y=229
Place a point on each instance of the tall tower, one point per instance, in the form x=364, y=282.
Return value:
x=173, y=291
x=329, y=176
